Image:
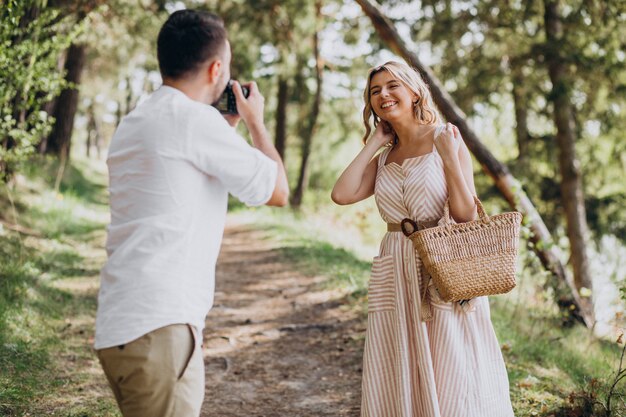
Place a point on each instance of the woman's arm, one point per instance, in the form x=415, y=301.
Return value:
x=457, y=165
x=356, y=183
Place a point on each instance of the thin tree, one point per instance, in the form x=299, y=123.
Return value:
x=308, y=131
x=66, y=105
x=520, y=102
x=280, y=139
x=572, y=195
x=59, y=141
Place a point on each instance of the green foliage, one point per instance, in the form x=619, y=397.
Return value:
x=26, y=303
x=35, y=310
x=491, y=56
x=31, y=41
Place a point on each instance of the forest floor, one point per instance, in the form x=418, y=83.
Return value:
x=278, y=342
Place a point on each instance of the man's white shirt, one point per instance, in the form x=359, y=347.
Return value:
x=172, y=163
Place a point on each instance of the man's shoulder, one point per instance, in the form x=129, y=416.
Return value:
x=189, y=110
x=168, y=113
x=168, y=105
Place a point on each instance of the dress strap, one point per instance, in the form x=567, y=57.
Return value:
x=383, y=157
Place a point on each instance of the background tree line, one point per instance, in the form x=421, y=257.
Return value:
x=541, y=82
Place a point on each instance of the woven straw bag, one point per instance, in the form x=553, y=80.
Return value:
x=472, y=259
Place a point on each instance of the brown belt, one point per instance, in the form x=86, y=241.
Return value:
x=408, y=226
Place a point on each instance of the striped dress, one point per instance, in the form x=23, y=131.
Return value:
x=448, y=366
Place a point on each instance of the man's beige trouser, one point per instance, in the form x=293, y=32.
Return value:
x=161, y=374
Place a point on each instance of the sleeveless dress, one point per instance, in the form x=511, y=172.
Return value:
x=448, y=366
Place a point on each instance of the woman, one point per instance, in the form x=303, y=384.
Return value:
x=423, y=357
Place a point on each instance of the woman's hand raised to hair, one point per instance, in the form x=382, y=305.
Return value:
x=383, y=134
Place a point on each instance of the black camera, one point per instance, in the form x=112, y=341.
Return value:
x=227, y=103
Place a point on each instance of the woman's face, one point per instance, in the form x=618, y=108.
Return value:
x=390, y=99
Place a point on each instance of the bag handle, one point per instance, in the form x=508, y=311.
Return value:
x=479, y=206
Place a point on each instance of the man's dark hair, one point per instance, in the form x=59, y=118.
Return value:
x=188, y=39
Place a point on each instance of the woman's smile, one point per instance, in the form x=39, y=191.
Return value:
x=387, y=104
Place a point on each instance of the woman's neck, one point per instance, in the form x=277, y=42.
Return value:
x=409, y=132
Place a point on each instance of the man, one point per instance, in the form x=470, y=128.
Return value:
x=172, y=162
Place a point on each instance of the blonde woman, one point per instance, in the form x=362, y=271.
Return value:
x=423, y=357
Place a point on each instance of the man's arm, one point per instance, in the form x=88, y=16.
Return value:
x=251, y=111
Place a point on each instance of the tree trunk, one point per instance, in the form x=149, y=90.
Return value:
x=129, y=95
x=59, y=141
x=93, y=131
x=79, y=9
x=508, y=186
x=281, y=117
x=572, y=196
x=49, y=107
x=520, y=102
x=309, y=130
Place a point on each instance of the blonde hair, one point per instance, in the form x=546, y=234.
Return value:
x=423, y=109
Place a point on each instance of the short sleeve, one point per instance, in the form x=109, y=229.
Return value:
x=216, y=149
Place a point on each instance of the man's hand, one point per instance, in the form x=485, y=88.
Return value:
x=250, y=109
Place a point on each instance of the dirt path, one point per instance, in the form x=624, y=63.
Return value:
x=276, y=342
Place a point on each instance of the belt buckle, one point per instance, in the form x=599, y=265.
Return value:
x=408, y=227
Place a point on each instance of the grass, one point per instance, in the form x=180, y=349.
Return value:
x=48, y=277
x=546, y=362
